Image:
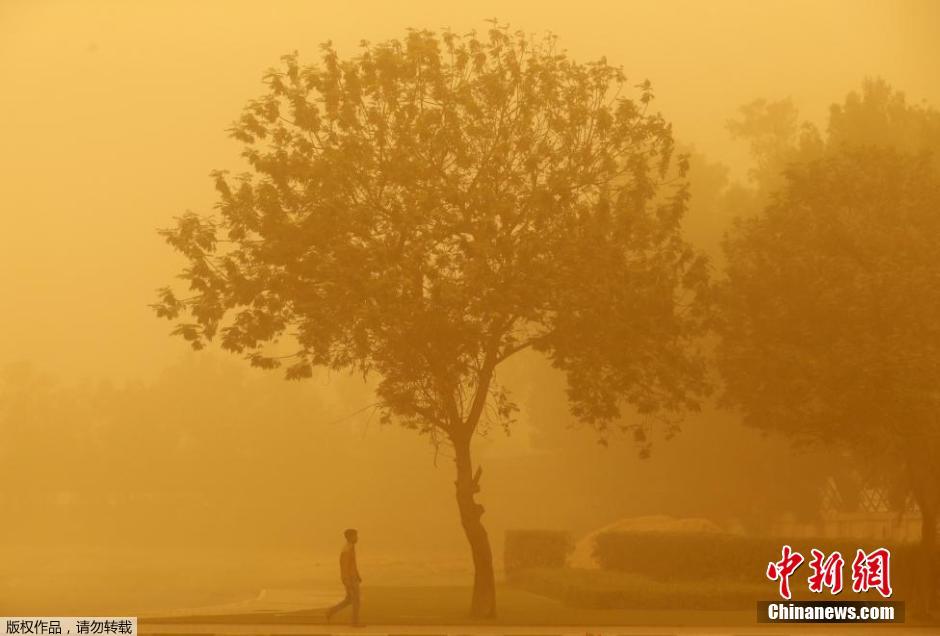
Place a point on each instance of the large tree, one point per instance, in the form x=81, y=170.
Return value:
x=429, y=207
x=830, y=313
x=831, y=295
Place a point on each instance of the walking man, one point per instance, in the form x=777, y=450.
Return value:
x=349, y=573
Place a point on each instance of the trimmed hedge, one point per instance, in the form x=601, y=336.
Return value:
x=669, y=556
x=536, y=549
x=697, y=557
x=599, y=590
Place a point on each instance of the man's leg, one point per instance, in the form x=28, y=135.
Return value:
x=353, y=595
x=346, y=601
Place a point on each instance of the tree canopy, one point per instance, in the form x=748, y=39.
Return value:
x=830, y=292
x=830, y=306
x=431, y=206
x=831, y=300
x=829, y=309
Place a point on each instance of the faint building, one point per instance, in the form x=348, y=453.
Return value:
x=862, y=511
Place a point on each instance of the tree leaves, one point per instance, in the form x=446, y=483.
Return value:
x=431, y=206
x=829, y=311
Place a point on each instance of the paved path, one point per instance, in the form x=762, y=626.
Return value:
x=266, y=601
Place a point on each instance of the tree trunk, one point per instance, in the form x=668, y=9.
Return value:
x=925, y=573
x=483, y=601
x=928, y=543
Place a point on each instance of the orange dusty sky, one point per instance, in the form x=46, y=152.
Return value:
x=112, y=114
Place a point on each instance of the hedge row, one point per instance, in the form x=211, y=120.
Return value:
x=690, y=557
x=526, y=549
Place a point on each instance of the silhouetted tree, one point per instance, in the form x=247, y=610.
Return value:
x=430, y=207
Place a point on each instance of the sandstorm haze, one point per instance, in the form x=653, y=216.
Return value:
x=127, y=454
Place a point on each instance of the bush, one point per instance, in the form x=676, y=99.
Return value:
x=699, y=557
x=536, y=549
x=669, y=556
x=594, y=589
x=714, y=571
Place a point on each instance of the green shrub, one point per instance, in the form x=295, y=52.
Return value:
x=697, y=557
x=706, y=572
x=536, y=549
x=663, y=556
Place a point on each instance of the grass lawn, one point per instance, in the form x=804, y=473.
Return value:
x=546, y=597
x=602, y=590
x=447, y=605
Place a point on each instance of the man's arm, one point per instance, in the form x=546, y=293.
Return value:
x=346, y=569
x=355, y=567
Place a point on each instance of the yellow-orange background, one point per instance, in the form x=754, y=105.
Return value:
x=112, y=114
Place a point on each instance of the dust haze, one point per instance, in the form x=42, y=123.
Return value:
x=138, y=475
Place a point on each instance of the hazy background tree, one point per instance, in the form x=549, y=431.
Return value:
x=430, y=207
x=880, y=115
x=830, y=304
x=713, y=468
x=775, y=137
x=874, y=115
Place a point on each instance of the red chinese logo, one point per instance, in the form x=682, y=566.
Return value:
x=826, y=572
x=782, y=569
x=870, y=571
